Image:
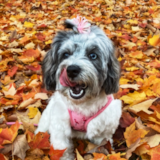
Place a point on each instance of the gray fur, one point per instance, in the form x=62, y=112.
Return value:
x=100, y=74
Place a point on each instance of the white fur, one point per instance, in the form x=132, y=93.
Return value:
x=56, y=120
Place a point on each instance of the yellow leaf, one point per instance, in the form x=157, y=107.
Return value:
x=153, y=120
x=150, y=93
x=132, y=21
x=48, y=42
x=123, y=81
x=132, y=68
x=133, y=97
x=137, y=54
x=28, y=24
x=32, y=112
x=154, y=40
x=120, y=58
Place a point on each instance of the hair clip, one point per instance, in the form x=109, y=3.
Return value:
x=82, y=24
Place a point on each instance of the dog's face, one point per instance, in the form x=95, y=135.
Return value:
x=89, y=63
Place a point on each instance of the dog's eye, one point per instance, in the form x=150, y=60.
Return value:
x=66, y=55
x=93, y=56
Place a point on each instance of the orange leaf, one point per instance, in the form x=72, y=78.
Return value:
x=137, y=54
x=9, y=134
x=31, y=53
x=136, y=134
x=34, y=68
x=55, y=154
x=116, y=157
x=29, y=136
x=99, y=156
x=155, y=108
x=12, y=71
x=24, y=39
x=155, y=63
x=28, y=95
x=155, y=127
x=12, y=100
x=41, y=141
x=155, y=153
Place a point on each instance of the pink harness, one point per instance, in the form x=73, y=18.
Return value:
x=80, y=122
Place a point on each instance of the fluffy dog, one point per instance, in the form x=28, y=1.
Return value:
x=82, y=70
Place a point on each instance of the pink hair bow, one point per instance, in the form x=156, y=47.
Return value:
x=82, y=24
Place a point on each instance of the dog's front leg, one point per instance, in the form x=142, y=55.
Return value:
x=44, y=122
x=60, y=130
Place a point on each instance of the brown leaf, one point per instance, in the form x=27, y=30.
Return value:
x=132, y=148
x=20, y=146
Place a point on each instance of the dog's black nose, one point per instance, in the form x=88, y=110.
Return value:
x=73, y=71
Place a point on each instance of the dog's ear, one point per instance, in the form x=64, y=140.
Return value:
x=111, y=84
x=49, y=68
x=69, y=24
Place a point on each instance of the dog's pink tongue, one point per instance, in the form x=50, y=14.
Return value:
x=65, y=81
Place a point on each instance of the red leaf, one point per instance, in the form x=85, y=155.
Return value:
x=42, y=26
x=41, y=36
x=41, y=141
x=126, y=120
x=33, y=68
x=2, y=157
x=55, y=154
x=12, y=71
x=126, y=37
x=143, y=25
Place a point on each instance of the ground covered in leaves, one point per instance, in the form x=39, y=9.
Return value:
x=27, y=28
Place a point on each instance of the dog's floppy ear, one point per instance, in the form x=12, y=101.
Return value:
x=49, y=68
x=111, y=84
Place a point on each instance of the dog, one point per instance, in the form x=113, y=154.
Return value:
x=82, y=70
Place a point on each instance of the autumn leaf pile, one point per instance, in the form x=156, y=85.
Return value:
x=27, y=28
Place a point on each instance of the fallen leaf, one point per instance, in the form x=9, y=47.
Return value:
x=132, y=148
x=153, y=141
x=79, y=157
x=20, y=146
x=143, y=106
x=55, y=154
x=41, y=141
x=132, y=97
x=11, y=91
x=28, y=24
x=133, y=86
x=32, y=112
x=154, y=40
x=8, y=135
x=41, y=96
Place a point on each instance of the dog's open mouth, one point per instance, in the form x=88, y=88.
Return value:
x=77, y=91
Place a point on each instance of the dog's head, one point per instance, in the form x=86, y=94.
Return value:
x=81, y=65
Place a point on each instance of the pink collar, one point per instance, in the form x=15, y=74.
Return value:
x=80, y=122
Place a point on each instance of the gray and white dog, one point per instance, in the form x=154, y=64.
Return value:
x=82, y=70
